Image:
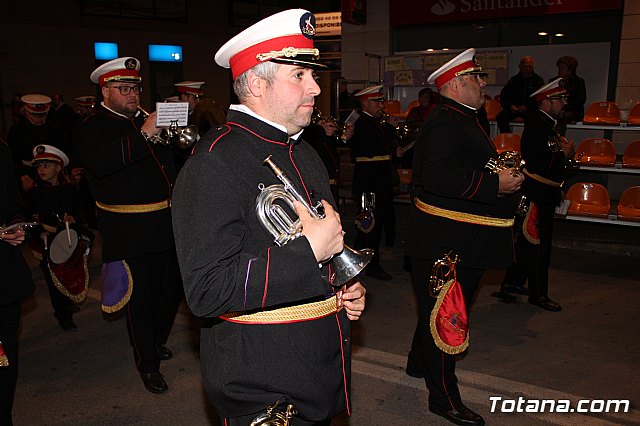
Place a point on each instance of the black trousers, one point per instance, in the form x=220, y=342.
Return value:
x=157, y=292
x=9, y=322
x=62, y=305
x=439, y=368
x=532, y=260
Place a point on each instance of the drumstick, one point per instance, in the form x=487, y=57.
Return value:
x=66, y=225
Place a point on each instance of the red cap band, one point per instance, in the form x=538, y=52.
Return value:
x=548, y=93
x=193, y=91
x=246, y=59
x=37, y=108
x=370, y=95
x=443, y=78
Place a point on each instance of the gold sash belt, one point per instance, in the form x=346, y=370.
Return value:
x=542, y=179
x=463, y=217
x=304, y=312
x=376, y=158
x=135, y=208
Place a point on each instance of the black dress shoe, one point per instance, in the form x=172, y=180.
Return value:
x=163, y=352
x=154, y=382
x=504, y=297
x=460, y=416
x=545, y=303
x=67, y=325
x=378, y=273
x=514, y=288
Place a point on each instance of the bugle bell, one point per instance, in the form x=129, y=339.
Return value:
x=506, y=160
x=443, y=270
x=183, y=137
x=346, y=265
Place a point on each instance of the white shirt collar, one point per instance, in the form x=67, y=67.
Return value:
x=552, y=119
x=247, y=110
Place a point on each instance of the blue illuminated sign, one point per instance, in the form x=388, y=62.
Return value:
x=165, y=53
x=105, y=51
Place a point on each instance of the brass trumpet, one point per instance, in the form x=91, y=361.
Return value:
x=183, y=137
x=506, y=160
x=347, y=264
x=341, y=129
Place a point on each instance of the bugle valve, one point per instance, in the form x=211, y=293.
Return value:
x=183, y=137
x=346, y=264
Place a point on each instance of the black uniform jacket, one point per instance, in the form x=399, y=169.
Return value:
x=541, y=159
x=372, y=139
x=15, y=275
x=230, y=263
x=449, y=172
x=123, y=168
x=24, y=136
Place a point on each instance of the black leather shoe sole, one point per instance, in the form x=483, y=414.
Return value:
x=154, y=382
x=516, y=289
x=462, y=416
x=504, y=297
x=164, y=353
x=546, y=304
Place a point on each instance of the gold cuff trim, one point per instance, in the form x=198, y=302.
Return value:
x=463, y=217
x=376, y=158
x=304, y=312
x=134, y=208
x=288, y=52
x=542, y=179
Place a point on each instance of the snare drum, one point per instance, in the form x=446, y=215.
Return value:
x=67, y=256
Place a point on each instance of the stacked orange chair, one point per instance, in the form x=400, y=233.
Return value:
x=597, y=152
x=629, y=205
x=602, y=113
x=634, y=115
x=507, y=142
x=393, y=107
x=405, y=181
x=493, y=108
x=631, y=156
x=588, y=199
x=413, y=103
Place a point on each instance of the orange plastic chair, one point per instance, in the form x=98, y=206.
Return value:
x=392, y=107
x=487, y=97
x=634, y=115
x=493, y=108
x=602, y=113
x=413, y=103
x=596, y=151
x=588, y=199
x=496, y=98
x=631, y=156
x=507, y=142
x=629, y=205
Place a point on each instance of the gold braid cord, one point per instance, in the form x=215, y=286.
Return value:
x=288, y=52
x=304, y=312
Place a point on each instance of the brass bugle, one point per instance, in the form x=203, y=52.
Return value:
x=183, y=137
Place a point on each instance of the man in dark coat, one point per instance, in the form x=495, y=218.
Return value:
x=546, y=155
x=279, y=330
x=459, y=206
x=372, y=147
x=132, y=179
x=15, y=283
x=26, y=134
x=515, y=96
x=576, y=89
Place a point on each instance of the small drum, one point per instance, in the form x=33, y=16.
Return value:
x=67, y=256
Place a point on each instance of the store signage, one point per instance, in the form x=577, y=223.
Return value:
x=328, y=24
x=413, y=12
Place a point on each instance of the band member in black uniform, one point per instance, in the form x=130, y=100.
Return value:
x=16, y=282
x=26, y=134
x=323, y=135
x=546, y=155
x=459, y=206
x=203, y=112
x=254, y=355
x=372, y=148
x=132, y=179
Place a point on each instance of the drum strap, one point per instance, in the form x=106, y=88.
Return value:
x=464, y=217
x=134, y=208
x=376, y=158
x=298, y=313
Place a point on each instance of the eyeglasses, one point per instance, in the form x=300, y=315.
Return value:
x=125, y=90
